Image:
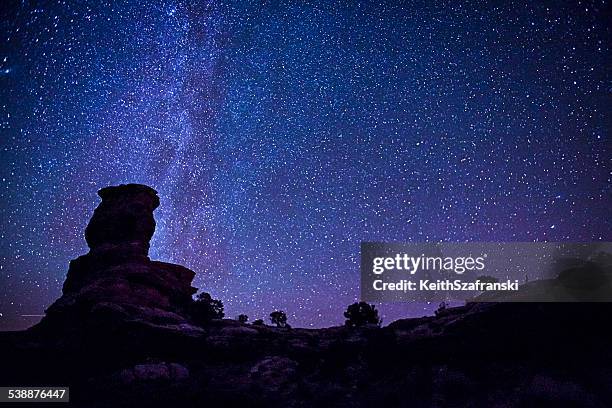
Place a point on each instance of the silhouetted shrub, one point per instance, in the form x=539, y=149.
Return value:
x=360, y=314
x=441, y=308
x=205, y=308
x=258, y=322
x=279, y=318
x=242, y=318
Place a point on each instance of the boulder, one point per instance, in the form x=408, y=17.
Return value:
x=124, y=218
x=153, y=372
x=272, y=373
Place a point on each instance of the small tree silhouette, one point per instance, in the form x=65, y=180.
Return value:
x=441, y=308
x=242, y=318
x=360, y=314
x=258, y=322
x=205, y=308
x=279, y=318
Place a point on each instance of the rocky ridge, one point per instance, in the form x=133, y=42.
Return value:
x=120, y=336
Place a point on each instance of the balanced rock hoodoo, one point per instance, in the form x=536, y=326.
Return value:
x=116, y=282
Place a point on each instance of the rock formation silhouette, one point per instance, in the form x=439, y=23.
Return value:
x=116, y=282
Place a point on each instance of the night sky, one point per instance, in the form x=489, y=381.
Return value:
x=280, y=135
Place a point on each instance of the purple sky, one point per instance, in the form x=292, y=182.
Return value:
x=281, y=135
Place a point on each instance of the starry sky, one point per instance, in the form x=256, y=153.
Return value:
x=280, y=135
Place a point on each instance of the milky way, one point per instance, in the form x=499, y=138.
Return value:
x=280, y=135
